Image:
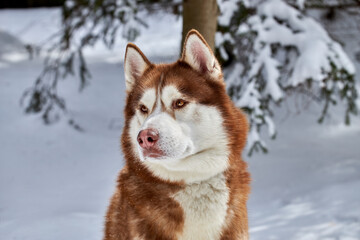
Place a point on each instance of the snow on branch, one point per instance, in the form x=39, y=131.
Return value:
x=279, y=49
x=84, y=23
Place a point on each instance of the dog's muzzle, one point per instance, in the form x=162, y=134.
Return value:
x=147, y=140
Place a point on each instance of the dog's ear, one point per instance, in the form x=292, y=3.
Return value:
x=198, y=54
x=135, y=64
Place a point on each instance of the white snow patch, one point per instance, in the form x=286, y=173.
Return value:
x=301, y=3
x=227, y=9
x=14, y=57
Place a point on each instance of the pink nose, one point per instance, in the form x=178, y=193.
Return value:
x=147, y=138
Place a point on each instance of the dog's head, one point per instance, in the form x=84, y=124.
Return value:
x=179, y=120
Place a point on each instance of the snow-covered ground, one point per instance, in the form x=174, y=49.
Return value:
x=55, y=182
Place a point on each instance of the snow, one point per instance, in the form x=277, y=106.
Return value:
x=289, y=49
x=300, y=3
x=227, y=9
x=271, y=70
x=305, y=187
x=307, y=35
x=55, y=182
x=250, y=97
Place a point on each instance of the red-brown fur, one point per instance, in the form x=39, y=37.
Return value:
x=142, y=205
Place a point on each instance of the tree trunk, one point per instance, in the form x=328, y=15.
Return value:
x=202, y=16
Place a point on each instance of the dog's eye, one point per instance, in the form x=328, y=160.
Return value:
x=143, y=108
x=179, y=103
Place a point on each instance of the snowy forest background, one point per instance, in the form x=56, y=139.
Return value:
x=286, y=64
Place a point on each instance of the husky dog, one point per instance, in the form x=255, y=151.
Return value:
x=184, y=177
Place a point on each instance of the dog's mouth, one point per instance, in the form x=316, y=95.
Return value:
x=153, y=153
x=158, y=154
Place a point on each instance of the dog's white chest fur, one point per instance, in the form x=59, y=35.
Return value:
x=205, y=206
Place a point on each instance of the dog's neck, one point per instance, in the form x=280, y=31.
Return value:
x=212, y=181
x=205, y=206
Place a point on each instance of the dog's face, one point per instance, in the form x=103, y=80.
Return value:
x=174, y=113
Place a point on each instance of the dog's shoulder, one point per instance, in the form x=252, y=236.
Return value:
x=142, y=208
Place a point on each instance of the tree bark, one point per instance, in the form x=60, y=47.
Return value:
x=202, y=16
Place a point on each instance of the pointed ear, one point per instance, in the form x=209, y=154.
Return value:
x=198, y=54
x=135, y=64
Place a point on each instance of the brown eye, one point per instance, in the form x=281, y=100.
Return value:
x=179, y=103
x=143, y=109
